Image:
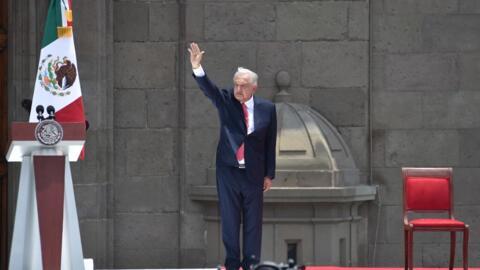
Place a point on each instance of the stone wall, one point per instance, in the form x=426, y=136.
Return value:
x=425, y=94
x=146, y=178
x=404, y=73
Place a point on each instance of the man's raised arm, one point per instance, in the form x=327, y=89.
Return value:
x=208, y=88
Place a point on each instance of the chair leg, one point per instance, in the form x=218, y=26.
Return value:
x=410, y=249
x=465, y=248
x=452, y=249
x=405, y=246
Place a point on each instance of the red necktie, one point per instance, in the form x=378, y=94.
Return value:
x=240, y=150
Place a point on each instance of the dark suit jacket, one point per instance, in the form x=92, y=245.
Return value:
x=259, y=145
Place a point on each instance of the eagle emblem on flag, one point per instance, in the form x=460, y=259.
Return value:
x=57, y=75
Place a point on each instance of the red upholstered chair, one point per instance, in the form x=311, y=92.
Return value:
x=430, y=190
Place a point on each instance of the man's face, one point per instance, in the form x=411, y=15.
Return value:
x=243, y=88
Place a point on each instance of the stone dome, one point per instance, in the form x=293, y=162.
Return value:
x=310, y=151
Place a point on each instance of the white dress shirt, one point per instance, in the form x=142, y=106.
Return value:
x=251, y=126
x=199, y=72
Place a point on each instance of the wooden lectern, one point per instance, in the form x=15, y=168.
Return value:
x=46, y=234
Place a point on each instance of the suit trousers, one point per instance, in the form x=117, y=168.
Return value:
x=241, y=201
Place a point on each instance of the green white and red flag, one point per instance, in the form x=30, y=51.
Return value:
x=57, y=82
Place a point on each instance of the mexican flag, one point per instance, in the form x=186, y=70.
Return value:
x=57, y=82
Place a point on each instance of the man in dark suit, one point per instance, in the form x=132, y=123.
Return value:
x=245, y=159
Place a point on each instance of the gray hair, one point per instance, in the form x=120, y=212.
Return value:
x=244, y=71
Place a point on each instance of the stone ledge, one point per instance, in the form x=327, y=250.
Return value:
x=296, y=221
x=298, y=194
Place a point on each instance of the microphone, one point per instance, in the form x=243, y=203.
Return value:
x=51, y=112
x=40, y=111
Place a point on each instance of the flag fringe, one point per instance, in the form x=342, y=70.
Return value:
x=69, y=15
x=64, y=31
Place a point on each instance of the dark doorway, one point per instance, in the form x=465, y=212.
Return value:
x=3, y=135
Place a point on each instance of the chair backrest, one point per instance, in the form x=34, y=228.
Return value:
x=427, y=189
